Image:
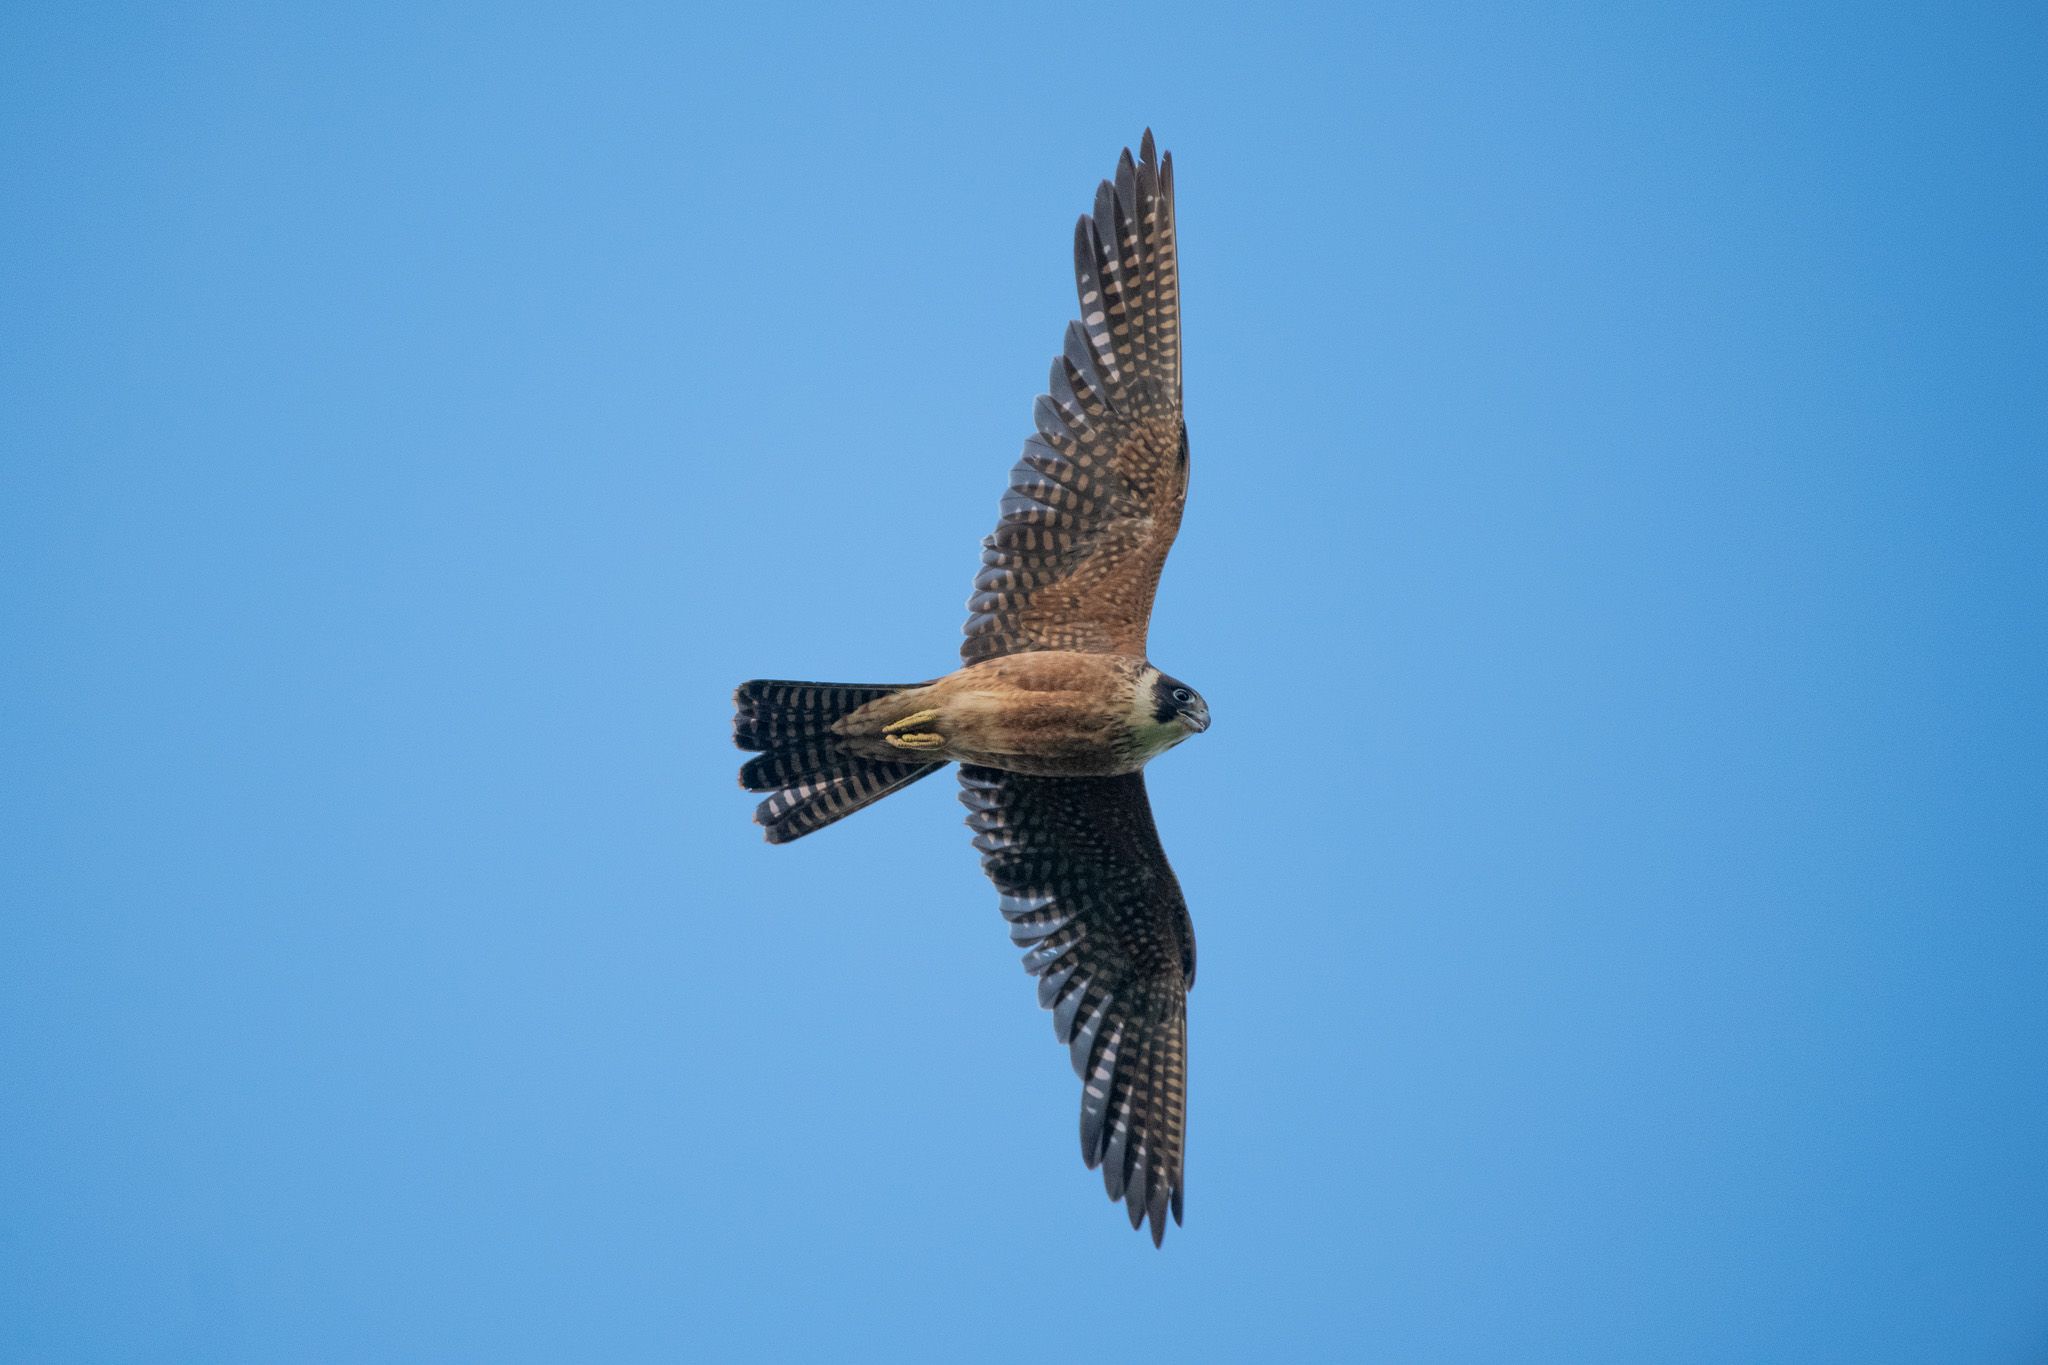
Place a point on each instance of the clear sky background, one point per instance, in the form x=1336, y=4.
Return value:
x=1615, y=561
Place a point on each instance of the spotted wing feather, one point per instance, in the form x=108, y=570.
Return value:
x=1089, y=895
x=1094, y=502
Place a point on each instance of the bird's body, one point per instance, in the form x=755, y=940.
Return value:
x=1049, y=713
x=1057, y=710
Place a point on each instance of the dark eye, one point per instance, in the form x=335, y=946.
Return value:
x=1182, y=695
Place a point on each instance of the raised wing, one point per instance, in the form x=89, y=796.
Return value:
x=1087, y=890
x=1093, y=504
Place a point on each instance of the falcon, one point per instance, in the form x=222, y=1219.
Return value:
x=1057, y=710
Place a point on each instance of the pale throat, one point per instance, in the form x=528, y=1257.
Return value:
x=1149, y=735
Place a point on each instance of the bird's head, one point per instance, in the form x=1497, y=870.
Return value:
x=1175, y=703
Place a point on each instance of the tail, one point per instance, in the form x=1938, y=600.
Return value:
x=811, y=778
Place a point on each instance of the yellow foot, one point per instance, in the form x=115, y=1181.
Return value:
x=915, y=738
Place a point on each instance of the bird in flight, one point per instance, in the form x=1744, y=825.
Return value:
x=1057, y=710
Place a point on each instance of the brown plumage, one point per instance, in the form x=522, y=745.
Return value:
x=1057, y=710
x=1095, y=501
x=1047, y=714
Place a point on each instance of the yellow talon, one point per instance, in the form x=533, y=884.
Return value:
x=894, y=732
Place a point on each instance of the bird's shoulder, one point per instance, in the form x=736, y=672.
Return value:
x=1052, y=670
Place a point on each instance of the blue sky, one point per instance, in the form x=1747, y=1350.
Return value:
x=1615, y=562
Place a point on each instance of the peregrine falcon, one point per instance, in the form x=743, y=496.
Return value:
x=1057, y=709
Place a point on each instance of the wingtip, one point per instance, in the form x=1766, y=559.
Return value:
x=1126, y=173
x=1103, y=221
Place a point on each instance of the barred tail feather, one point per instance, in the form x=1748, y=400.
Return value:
x=810, y=778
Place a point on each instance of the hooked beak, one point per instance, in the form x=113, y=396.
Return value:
x=1196, y=717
